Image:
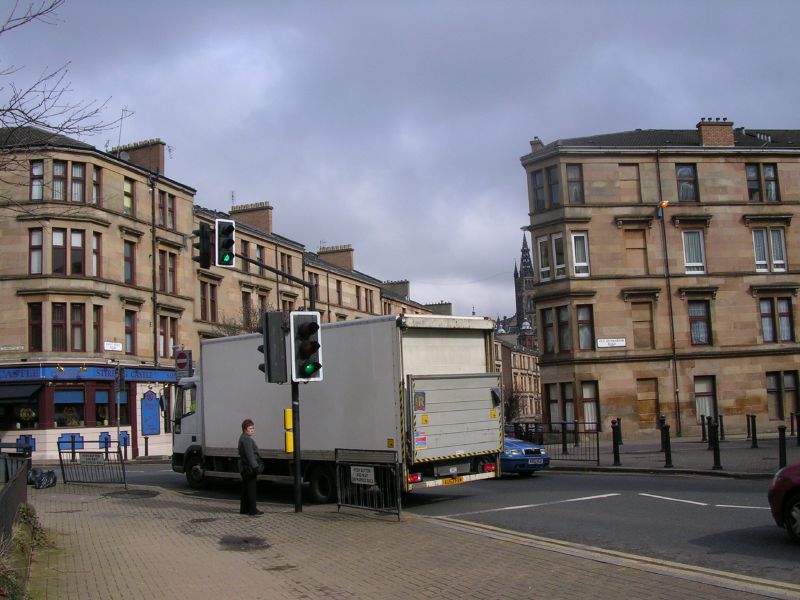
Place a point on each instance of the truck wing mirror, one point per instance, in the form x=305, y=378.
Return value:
x=496, y=399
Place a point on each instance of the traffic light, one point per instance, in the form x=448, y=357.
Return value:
x=273, y=347
x=226, y=243
x=304, y=336
x=203, y=244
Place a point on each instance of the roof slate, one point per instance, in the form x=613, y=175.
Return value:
x=659, y=138
x=33, y=136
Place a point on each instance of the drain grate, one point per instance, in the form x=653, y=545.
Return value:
x=205, y=520
x=240, y=543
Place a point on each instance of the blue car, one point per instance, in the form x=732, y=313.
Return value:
x=523, y=458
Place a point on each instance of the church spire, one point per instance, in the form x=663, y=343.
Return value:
x=526, y=265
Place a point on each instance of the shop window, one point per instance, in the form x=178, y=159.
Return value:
x=69, y=406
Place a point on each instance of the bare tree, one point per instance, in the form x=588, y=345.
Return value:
x=39, y=114
x=246, y=321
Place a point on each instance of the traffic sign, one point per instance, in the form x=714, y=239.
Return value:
x=183, y=364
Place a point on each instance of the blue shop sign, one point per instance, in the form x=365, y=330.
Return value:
x=150, y=375
x=73, y=373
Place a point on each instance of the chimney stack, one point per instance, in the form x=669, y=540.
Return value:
x=258, y=215
x=341, y=255
x=536, y=144
x=717, y=132
x=148, y=154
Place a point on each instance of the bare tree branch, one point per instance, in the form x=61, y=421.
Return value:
x=43, y=106
x=44, y=11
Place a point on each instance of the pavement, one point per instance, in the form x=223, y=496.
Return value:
x=149, y=542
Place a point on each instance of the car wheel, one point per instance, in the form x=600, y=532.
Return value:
x=791, y=517
x=195, y=474
x=322, y=484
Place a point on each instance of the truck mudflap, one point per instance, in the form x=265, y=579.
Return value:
x=458, y=479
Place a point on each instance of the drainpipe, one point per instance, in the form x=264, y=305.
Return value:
x=153, y=181
x=667, y=278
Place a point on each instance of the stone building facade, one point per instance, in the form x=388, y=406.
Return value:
x=103, y=291
x=666, y=276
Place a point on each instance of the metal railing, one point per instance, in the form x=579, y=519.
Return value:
x=105, y=464
x=368, y=479
x=566, y=440
x=14, y=491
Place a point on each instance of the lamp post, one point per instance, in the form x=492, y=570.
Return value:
x=662, y=204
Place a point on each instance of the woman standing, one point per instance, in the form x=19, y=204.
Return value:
x=249, y=467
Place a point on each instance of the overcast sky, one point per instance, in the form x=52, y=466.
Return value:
x=397, y=127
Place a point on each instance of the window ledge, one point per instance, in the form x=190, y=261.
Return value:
x=130, y=300
x=703, y=220
x=634, y=220
x=704, y=291
x=65, y=292
x=769, y=289
x=170, y=308
x=125, y=230
x=169, y=243
x=629, y=293
x=760, y=219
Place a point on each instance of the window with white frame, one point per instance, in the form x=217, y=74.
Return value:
x=559, y=256
x=543, y=245
x=35, y=245
x=580, y=254
x=770, y=249
x=694, y=257
x=704, y=397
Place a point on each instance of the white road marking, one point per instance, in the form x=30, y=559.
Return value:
x=675, y=499
x=737, y=506
x=522, y=506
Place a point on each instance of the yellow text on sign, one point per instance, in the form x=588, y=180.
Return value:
x=493, y=414
x=424, y=419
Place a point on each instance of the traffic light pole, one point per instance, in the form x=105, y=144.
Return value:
x=298, y=473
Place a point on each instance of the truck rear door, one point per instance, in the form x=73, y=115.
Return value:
x=454, y=415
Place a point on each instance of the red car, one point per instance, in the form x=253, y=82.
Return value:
x=784, y=500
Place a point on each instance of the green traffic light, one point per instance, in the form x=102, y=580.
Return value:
x=226, y=258
x=310, y=368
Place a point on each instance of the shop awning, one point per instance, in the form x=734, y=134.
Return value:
x=19, y=394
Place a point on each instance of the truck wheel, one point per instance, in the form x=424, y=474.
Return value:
x=791, y=517
x=195, y=474
x=322, y=484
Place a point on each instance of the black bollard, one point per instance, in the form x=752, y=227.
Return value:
x=667, y=446
x=72, y=445
x=577, y=434
x=615, y=441
x=791, y=423
x=662, y=422
x=703, y=428
x=721, y=428
x=781, y=446
x=747, y=420
x=619, y=431
x=564, y=448
x=709, y=423
x=753, y=434
x=713, y=434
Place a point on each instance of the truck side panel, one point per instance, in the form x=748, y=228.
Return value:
x=357, y=405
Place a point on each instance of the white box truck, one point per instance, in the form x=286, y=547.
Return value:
x=422, y=386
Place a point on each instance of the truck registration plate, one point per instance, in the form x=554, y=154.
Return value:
x=452, y=480
x=535, y=461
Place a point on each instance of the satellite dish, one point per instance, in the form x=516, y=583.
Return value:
x=124, y=155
